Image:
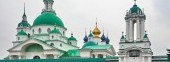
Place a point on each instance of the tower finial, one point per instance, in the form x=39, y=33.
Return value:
x=135, y=2
x=24, y=15
x=24, y=7
x=96, y=21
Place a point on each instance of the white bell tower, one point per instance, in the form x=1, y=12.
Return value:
x=135, y=48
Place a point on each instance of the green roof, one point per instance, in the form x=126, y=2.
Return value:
x=89, y=43
x=55, y=31
x=48, y=18
x=59, y=60
x=21, y=33
x=146, y=36
x=71, y=53
x=72, y=38
x=24, y=24
x=98, y=47
x=135, y=9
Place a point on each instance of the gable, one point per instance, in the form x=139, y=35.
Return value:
x=23, y=45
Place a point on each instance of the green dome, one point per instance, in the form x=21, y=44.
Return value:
x=21, y=33
x=135, y=9
x=89, y=43
x=55, y=31
x=72, y=39
x=48, y=18
x=24, y=24
x=90, y=35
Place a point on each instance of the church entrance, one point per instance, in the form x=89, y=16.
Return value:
x=36, y=57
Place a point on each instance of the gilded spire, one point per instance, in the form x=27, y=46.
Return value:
x=96, y=31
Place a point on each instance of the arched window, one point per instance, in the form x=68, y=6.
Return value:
x=28, y=35
x=48, y=30
x=36, y=57
x=50, y=56
x=70, y=43
x=39, y=30
x=33, y=31
x=18, y=38
x=60, y=45
x=93, y=56
x=63, y=32
x=100, y=55
x=52, y=36
x=52, y=44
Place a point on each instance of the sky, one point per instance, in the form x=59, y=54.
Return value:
x=78, y=15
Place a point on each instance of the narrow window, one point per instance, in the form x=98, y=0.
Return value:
x=60, y=45
x=93, y=56
x=52, y=44
x=39, y=30
x=33, y=31
x=52, y=37
x=48, y=30
x=18, y=38
x=70, y=43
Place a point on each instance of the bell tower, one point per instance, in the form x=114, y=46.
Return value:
x=135, y=48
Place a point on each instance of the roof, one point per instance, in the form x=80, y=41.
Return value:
x=55, y=31
x=24, y=24
x=59, y=60
x=98, y=47
x=89, y=43
x=135, y=9
x=48, y=18
x=72, y=39
x=21, y=33
x=71, y=53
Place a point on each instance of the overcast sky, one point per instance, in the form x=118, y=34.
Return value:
x=80, y=14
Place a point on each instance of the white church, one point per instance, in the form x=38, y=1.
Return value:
x=46, y=39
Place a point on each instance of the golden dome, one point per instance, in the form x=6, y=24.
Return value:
x=96, y=31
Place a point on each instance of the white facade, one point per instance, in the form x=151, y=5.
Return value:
x=131, y=49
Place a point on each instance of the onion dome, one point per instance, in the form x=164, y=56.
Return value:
x=48, y=18
x=96, y=31
x=85, y=39
x=103, y=38
x=56, y=31
x=24, y=22
x=135, y=8
x=72, y=38
x=90, y=43
x=21, y=33
x=90, y=35
x=107, y=40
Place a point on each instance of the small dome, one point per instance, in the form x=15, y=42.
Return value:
x=85, y=39
x=55, y=31
x=72, y=38
x=107, y=40
x=135, y=9
x=90, y=43
x=24, y=24
x=48, y=18
x=103, y=38
x=90, y=35
x=21, y=33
